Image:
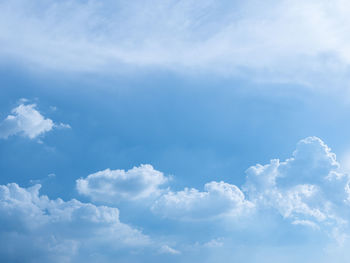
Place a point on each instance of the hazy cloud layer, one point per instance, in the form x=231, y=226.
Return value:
x=286, y=40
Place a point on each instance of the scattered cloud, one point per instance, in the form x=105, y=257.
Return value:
x=116, y=185
x=27, y=121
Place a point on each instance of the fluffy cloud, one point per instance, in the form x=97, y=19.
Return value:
x=34, y=228
x=115, y=185
x=307, y=189
x=26, y=120
x=218, y=199
x=291, y=39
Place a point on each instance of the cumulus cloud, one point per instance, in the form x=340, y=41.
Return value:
x=307, y=189
x=26, y=120
x=116, y=185
x=291, y=39
x=218, y=199
x=34, y=228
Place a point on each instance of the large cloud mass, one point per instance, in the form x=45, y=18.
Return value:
x=34, y=228
x=308, y=189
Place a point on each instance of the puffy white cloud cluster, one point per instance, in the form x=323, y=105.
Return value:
x=308, y=188
x=26, y=120
x=116, y=185
x=218, y=199
x=34, y=228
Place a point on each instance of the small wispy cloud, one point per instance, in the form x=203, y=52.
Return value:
x=169, y=250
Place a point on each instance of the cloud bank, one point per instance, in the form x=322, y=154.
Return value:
x=34, y=228
x=307, y=189
x=27, y=121
x=290, y=40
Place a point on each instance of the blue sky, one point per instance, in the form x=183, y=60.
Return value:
x=183, y=131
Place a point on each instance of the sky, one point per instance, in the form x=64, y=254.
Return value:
x=177, y=131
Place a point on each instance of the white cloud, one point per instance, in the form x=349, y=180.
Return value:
x=34, y=228
x=168, y=250
x=26, y=120
x=116, y=185
x=307, y=189
x=218, y=199
x=291, y=40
